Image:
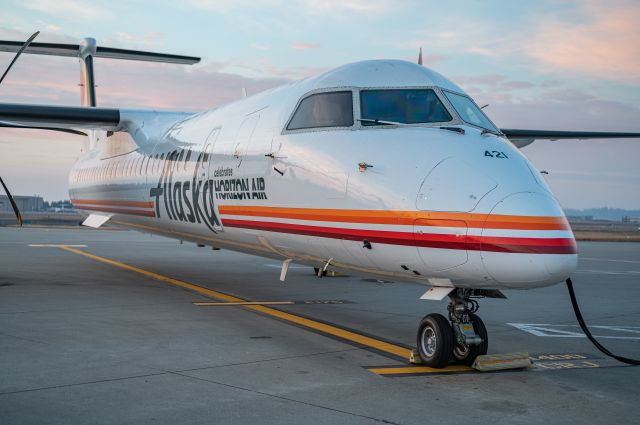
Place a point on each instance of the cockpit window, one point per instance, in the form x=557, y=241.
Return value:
x=333, y=109
x=406, y=106
x=469, y=112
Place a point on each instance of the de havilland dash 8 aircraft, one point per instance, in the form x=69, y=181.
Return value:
x=383, y=167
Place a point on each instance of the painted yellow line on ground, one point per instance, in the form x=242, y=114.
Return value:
x=176, y=282
x=205, y=304
x=418, y=369
x=396, y=350
x=48, y=245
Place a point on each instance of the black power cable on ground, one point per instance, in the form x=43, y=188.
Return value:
x=586, y=331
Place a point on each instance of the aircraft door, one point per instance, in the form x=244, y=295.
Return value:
x=255, y=159
x=243, y=138
x=206, y=161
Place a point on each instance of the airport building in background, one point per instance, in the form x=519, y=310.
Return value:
x=24, y=203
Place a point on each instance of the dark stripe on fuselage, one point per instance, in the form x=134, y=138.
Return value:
x=145, y=213
x=426, y=240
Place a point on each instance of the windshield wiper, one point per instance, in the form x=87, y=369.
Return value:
x=487, y=131
x=383, y=122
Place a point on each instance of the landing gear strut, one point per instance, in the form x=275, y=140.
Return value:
x=463, y=336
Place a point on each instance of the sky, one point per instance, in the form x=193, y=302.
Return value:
x=563, y=65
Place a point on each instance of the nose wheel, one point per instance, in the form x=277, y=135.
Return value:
x=461, y=337
x=435, y=340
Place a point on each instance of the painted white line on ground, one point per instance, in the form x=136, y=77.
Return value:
x=622, y=272
x=565, y=331
x=612, y=261
x=45, y=245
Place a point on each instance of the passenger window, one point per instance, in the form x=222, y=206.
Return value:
x=334, y=109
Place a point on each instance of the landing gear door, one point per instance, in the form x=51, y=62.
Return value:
x=442, y=244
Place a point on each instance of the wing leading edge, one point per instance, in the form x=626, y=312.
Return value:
x=521, y=138
x=63, y=117
x=143, y=125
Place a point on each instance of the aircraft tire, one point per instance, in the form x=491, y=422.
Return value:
x=316, y=271
x=467, y=355
x=435, y=340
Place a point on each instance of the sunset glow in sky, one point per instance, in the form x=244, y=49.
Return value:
x=567, y=65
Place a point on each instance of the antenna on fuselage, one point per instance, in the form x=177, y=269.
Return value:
x=420, y=57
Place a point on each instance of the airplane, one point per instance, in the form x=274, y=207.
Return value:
x=383, y=168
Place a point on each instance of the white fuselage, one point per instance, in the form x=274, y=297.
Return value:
x=418, y=202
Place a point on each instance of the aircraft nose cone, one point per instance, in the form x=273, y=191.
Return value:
x=526, y=241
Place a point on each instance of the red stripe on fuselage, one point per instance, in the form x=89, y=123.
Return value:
x=428, y=240
x=145, y=213
x=112, y=202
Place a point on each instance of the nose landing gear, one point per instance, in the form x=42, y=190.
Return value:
x=463, y=336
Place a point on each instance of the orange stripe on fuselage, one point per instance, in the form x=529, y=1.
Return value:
x=440, y=219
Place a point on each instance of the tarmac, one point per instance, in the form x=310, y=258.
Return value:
x=117, y=327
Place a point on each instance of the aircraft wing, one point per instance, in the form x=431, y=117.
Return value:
x=59, y=117
x=140, y=123
x=521, y=138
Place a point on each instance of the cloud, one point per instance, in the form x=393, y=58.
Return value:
x=262, y=67
x=52, y=35
x=69, y=9
x=54, y=80
x=471, y=35
x=336, y=7
x=330, y=8
x=483, y=51
x=304, y=46
x=605, y=46
x=260, y=46
x=174, y=87
x=134, y=41
x=494, y=88
x=124, y=36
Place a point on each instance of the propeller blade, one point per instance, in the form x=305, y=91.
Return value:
x=15, y=58
x=13, y=202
